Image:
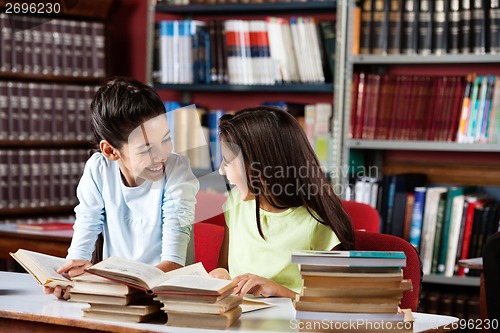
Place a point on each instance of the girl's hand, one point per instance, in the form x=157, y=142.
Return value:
x=58, y=292
x=259, y=286
x=220, y=273
x=74, y=267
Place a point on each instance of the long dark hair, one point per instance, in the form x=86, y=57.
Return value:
x=277, y=155
x=121, y=105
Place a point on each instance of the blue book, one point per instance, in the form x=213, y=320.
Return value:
x=213, y=117
x=350, y=258
x=417, y=217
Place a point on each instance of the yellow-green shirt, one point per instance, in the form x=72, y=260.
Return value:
x=293, y=229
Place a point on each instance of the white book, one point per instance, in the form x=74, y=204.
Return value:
x=429, y=226
x=454, y=234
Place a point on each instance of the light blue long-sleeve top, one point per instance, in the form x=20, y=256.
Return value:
x=148, y=223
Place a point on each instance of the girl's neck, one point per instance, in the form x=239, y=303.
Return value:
x=265, y=205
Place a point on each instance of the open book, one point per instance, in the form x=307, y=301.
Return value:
x=192, y=279
x=42, y=267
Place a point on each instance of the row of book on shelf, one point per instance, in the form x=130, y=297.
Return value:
x=40, y=177
x=45, y=111
x=461, y=305
x=247, y=52
x=427, y=27
x=203, y=130
x=428, y=108
x=35, y=45
x=43, y=223
x=445, y=223
x=340, y=286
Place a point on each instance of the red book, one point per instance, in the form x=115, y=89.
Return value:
x=43, y=226
x=473, y=202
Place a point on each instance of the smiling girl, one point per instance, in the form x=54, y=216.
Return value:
x=281, y=202
x=135, y=191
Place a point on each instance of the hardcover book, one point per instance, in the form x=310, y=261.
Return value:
x=192, y=279
x=42, y=267
x=350, y=258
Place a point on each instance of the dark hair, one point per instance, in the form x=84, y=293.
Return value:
x=121, y=105
x=272, y=138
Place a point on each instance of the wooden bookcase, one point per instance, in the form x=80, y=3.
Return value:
x=76, y=21
x=231, y=96
x=443, y=162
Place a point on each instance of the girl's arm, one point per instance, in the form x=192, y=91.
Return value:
x=221, y=271
x=224, y=250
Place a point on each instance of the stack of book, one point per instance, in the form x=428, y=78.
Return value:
x=191, y=297
x=109, y=300
x=198, y=310
x=346, y=288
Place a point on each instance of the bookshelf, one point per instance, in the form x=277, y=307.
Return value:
x=234, y=96
x=51, y=65
x=444, y=162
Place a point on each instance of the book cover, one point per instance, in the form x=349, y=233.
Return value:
x=439, y=27
x=465, y=26
x=219, y=307
x=424, y=27
x=114, y=316
x=478, y=27
x=45, y=226
x=394, y=31
x=134, y=309
x=350, y=258
x=366, y=27
x=452, y=193
x=409, y=27
x=204, y=320
x=380, y=25
x=494, y=27
x=454, y=27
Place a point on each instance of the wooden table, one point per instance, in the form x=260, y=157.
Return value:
x=53, y=242
x=24, y=308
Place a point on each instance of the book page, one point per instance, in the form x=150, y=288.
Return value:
x=128, y=271
x=194, y=269
x=42, y=266
x=250, y=304
x=194, y=282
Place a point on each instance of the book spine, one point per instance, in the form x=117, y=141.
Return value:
x=394, y=33
x=465, y=26
x=478, y=27
x=27, y=45
x=37, y=45
x=440, y=26
x=379, y=35
x=417, y=217
x=454, y=27
x=5, y=41
x=366, y=27
x=494, y=24
x=424, y=28
x=409, y=31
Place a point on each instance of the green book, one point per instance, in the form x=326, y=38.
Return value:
x=439, y=230
x=453, y=192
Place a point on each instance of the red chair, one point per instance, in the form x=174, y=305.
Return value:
x=370, y=241
x=363, y=216
x=208, y=230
